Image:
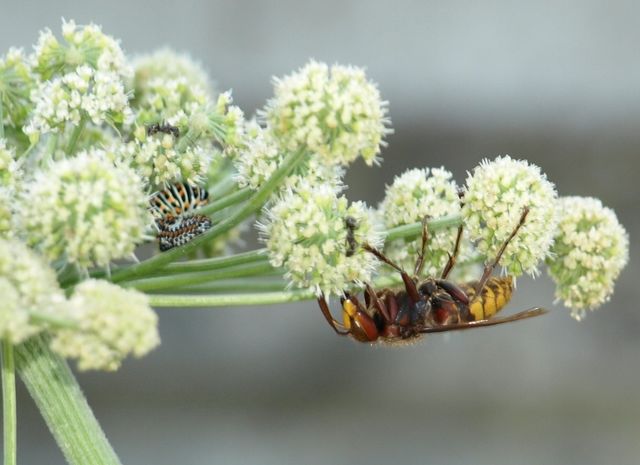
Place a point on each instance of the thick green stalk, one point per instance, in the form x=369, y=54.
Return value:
x=255, y=203
x=228, y=300
x=216, y=263
x=176, y=281
x=415, y=229
x=249, y=284
x=62, y=404
x=75, y=136
x=9, y=404
x=226, y=201
x=1, y=118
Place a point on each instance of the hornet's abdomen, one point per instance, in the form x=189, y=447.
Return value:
x=495, y=294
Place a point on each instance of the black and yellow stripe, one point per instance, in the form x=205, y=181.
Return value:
x=493, y=297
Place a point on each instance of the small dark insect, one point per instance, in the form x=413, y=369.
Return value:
x=351, y=224
x=177, y=231
x=178, y=199
x=164, y=128
x=426, y=306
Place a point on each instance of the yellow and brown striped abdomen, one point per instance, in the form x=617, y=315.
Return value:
x=495, y=294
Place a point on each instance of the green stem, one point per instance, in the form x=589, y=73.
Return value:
x=255, y=203
x=9, y=403
x=227, y=300
x=208, y=264
x=62, y=404
x=177, y=281
x=253, y=298
x=1, y=118
x=231, y=199
x=240, y=285
x=415, y=229
x=223, y=188
x=75, y=136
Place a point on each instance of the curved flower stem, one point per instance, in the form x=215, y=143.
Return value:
x=64, y=408
x=228, y=300
x=226, y=201
x=1, y=119
x=176, y=281
x=249, y=284
x=75, y=136
x=415, y=229
x=208, y=264
x=255, y=203
x=9, y=403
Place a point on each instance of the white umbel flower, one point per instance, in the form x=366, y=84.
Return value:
x=413, y=195
x=334, y=112
x=85, y=210
x=112, y=323
x=590, y=250
x=82, y=78
x=496, y=194
x=306, y=233
x=262, y=157
x=27, y=285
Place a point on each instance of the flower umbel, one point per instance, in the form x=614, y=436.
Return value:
x=85, y=210
x=590, y=250
x=27, y=285
x=112, y=323
x=496, y=194
x=263, y=155
x=335, y=112
x=413, y=195
x=306, y=233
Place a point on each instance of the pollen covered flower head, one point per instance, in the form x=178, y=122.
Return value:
x=81, y=46
x=417, y=193
x=85, y=210
x=158, y=159
x=168, y=85
x=112, y=323
x=590, y=250
x=306, y=233
x=82, y=80
x=27, y=284
x=227, y=125
x=496, y=195
x=262, y=157
x=334, y=112
x=16, y=83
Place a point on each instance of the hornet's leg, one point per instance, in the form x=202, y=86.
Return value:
x=453, y=257
x=488, y=269
x=409, y=283
x=423, y=247
x=337, y=327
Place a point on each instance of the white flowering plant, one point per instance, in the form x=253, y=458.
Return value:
x=100, y=153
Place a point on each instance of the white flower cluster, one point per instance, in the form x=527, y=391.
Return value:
x=85, y=210
x=9, y=173
x=413, y=195
x=169, y=87
x=306, y=232
x=263, y=156
x=82, y=93
x=16, y=83
x=590, y=250
x=335, y=113
x=27, y=285
x=496, y=194
x=112, y=323
x=157, y=159
x=227, y=125
x=81, y=79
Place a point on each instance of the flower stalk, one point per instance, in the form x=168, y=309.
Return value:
x=62, y=404
x=9, y=403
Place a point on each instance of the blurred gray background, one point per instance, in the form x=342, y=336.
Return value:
x=557, y=83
